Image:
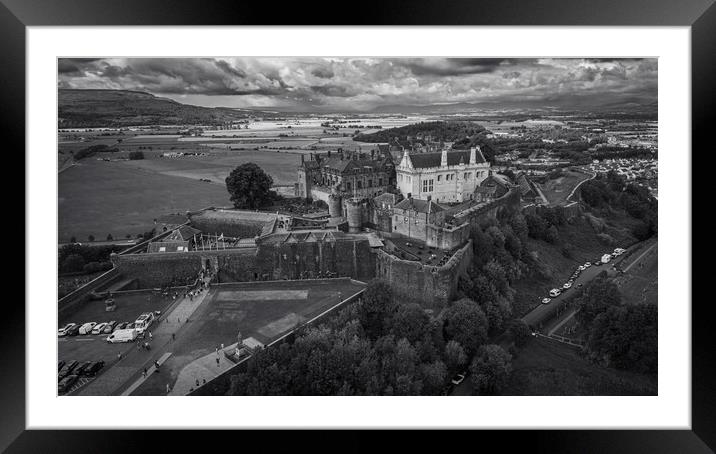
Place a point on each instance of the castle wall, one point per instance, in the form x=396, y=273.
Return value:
x=291, y=260
x=429, y=285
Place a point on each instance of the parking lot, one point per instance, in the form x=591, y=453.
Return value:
x=93, y=347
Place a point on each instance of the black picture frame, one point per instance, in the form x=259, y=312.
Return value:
x=700, y=15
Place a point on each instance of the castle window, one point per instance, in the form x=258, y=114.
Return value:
x=439, y=177
x=380, y=182
x=359, y=185
x=370, y=183
x=348, y=186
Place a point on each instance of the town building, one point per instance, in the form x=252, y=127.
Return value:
x=449, y=176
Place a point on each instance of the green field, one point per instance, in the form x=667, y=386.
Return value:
x=558, y=190
x=99, y=198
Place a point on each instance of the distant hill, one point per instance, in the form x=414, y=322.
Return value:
x=116, y=108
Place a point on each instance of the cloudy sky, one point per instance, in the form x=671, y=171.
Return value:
x=313, y=83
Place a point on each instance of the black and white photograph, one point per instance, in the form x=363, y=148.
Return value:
x=357, y=226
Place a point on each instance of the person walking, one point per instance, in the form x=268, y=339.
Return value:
x=217, y=361
x=174, y=336
x=168, y=389
x=156, y=365
x=150, y=335
x=144, y=373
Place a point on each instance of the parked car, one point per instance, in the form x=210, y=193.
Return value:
x=119, y=326
x=66, y=383
x=79, y=370
x=65, y=329
x=74, y=331
x=109, y=327
x=67, y=370
x=129, y=326
x=546, y=300
x=555, y=292
x=95, y=367
x=619, y=251
x=567, y=285
x=87, y=328
x=457, y=379
x=588, y=264
x=582, y=267
x=99, y=328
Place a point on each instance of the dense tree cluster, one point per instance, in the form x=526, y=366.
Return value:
x=136, y=155
x=376, y=346
x=463, y=134
x=75, y=258
x=92, y=150
x=544, y=223
x=620, y=336
x=625, y=337
x=610, y=191
x=249, y=186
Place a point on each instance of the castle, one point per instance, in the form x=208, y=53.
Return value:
x=413, y=234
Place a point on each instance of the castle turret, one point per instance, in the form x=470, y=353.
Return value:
x=443, y=158
x=353, y=213
x=473, y=156
x=334, y=205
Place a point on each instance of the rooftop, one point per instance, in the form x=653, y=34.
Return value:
x=454, y=157
x=421, y=206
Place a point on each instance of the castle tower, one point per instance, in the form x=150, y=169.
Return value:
x=443, y=158
x=473, y=156
x=353, y=213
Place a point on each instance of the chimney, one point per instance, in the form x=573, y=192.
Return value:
x=311, y=154
x=329, y=153
x=302, y=160
x=473, y=156
x=443, y=158
x=410, y=195
x=372, y=155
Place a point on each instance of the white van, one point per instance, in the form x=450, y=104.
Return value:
x=606, y=258
x=122, y=335
x=143, y=322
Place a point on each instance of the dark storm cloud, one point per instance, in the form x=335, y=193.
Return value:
x=364, y=83
x=452, y=66
x=323, y=73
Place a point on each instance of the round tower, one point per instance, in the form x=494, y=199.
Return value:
x=353, y=213
x=335, y=205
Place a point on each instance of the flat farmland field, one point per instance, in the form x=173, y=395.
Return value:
x=216, y=166
x=98, y=198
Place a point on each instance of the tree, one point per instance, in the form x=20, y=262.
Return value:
x=466, y=323
x=490, y=369
x=90, y=238
x=72, y=263
x=597, y=297
x=411, y=322
x=455, y=357
x=249, y=186
x=625, y=337
x=109, y=237
x=376, y=308
x=136, y=155
x=73, y=239
x=433, y=376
